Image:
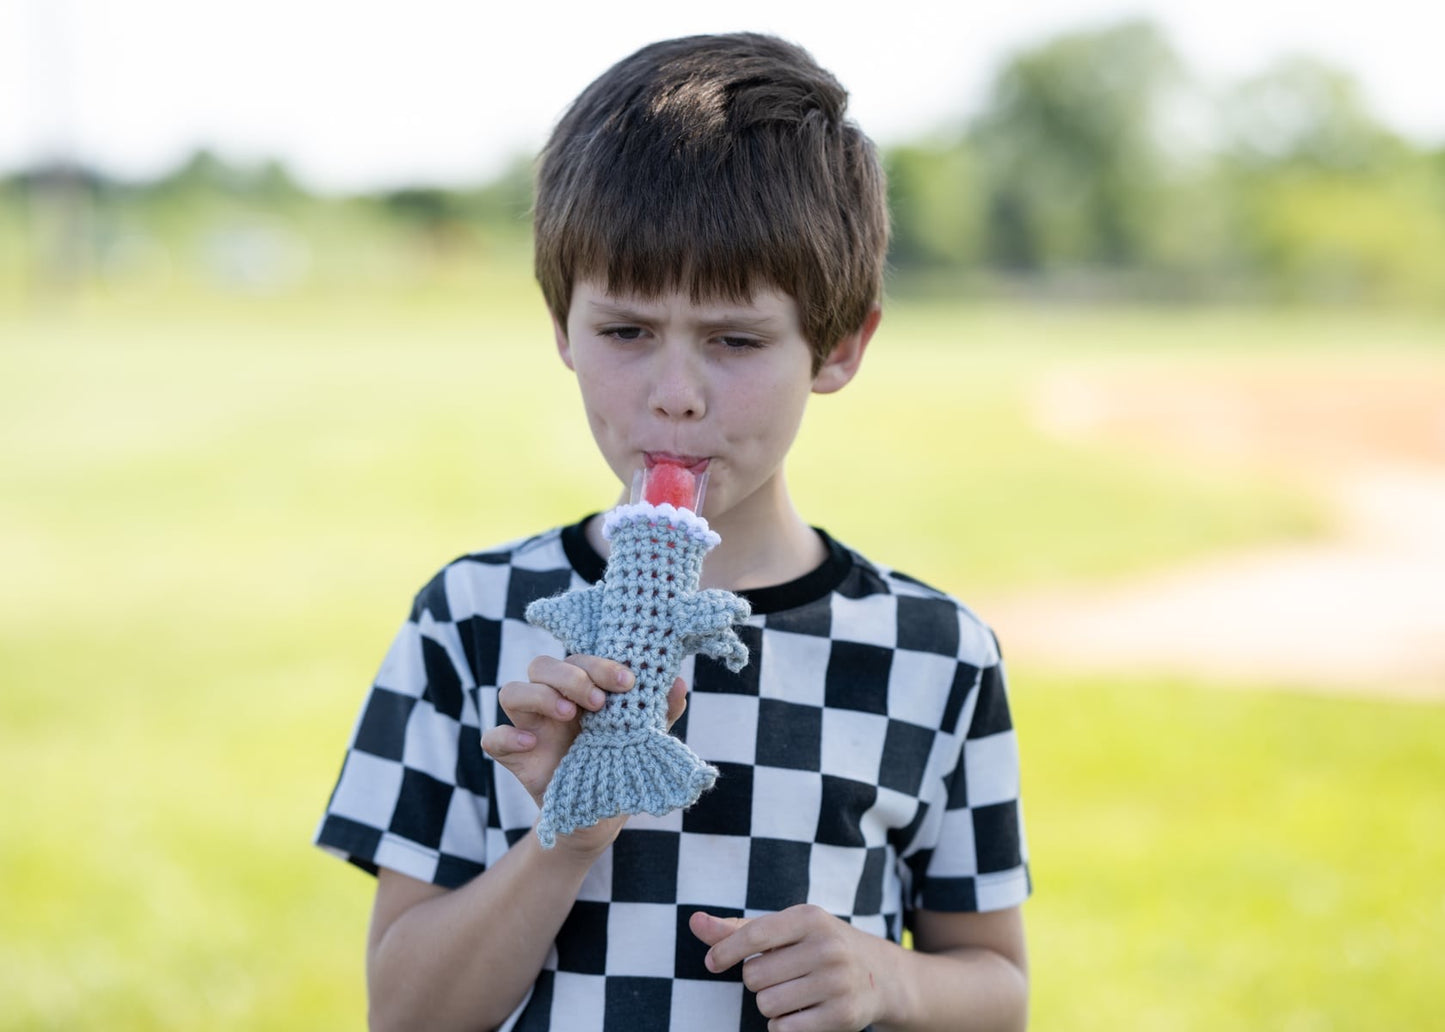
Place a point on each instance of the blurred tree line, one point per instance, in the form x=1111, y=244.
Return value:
x=1097, y=169
x=250, y=229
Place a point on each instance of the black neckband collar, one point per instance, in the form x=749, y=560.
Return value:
x=810, y=587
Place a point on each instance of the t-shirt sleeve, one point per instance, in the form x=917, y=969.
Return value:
x=414, y=790
x=977, y=858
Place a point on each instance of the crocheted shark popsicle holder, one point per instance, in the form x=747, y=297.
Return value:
x=648, y=613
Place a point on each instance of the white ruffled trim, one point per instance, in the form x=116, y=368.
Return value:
x=642, y=512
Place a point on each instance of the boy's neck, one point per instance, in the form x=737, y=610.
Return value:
x=764, y=544
x=764, y=555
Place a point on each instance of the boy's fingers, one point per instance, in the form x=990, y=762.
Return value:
x=607, y=674
x=748, y=937
x=676, y=701
x=713, y=930
x=520, y=699
x=503, y=741
x=582, y=679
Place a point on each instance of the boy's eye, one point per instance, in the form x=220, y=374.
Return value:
x=741, y=343
x=623, y=332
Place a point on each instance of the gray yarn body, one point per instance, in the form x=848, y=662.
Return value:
x=647, y=613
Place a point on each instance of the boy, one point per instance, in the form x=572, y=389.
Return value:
x=710, y=237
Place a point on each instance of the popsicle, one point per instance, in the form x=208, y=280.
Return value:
x=649, y=613
x=672, y=484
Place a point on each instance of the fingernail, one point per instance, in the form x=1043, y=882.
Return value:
x=624, y=678
x=565, y=708
x=597, y=697
x=708, y=963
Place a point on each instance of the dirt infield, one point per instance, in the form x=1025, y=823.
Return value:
x=1363, y=610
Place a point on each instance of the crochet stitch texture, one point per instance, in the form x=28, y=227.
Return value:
x=648, y=613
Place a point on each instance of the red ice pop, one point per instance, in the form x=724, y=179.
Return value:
x=674, y=485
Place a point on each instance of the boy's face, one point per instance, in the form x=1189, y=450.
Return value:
x=720, y=386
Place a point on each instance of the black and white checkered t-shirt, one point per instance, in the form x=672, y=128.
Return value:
x=867, y=764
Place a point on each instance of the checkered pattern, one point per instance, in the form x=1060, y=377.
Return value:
x=867, y=765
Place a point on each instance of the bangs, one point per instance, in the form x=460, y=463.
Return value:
x=702, y=232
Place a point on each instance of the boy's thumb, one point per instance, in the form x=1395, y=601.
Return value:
x=676, y=702
x=713, y=930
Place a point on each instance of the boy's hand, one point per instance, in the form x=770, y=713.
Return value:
x=811, y=971
x=545, y=712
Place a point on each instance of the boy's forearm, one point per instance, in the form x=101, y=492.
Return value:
x=465, y=959
x=958, y=990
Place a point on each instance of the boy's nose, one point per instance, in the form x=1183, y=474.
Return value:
x=676, y=388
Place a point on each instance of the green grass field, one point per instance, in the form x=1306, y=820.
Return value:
x=213, y=515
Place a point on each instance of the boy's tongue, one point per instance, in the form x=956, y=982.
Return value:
x=678, y=486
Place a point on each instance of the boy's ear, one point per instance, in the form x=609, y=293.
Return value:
x=564, y=347
x=843, y=361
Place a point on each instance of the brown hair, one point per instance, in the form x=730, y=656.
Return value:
x=719, y=165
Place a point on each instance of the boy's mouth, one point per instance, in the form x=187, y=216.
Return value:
x=691, y=463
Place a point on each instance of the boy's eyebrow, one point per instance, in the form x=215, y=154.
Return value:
x=720, y=317
x=612, y=310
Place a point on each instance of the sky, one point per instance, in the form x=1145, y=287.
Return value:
x=362, y=94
